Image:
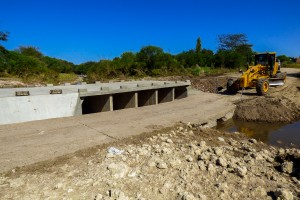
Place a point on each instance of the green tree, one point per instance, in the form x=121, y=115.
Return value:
x=102, y=70
x=30, y=51
x=232, y=41
x=60, y=66
x=233, y=50
x=283, y=58
x=127, y=62
x=148, y=56
x=207, y=58
x=84, y=68
x=187, y=58
x=3, y=59
x=198, y=45
x=25, y=66
x=3, y=36
x=3, y=52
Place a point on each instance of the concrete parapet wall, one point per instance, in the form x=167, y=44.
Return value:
x=30, y=108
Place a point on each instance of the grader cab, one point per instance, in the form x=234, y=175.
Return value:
x=265, y=73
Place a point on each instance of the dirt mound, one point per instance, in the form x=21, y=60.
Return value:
x=267, y=109
x=211, y=84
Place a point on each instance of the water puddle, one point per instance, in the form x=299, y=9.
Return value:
x=283, y=135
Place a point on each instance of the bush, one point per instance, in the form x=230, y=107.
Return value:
x=292, y=65
x=196, y=71
x=156, y=72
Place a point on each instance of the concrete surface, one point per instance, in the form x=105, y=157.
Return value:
x=67, y=89
x=30, y=108
x=30, y=142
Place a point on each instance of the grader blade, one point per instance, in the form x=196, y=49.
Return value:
x=276, y=81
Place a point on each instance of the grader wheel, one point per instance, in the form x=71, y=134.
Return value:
x=262, y=86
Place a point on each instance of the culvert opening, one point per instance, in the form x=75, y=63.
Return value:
x=165, y=95
x=95, y=104
x=124, y=100
x=146, y=98
x=180, y=92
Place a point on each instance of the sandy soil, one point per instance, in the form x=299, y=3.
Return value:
x=185, y=162
x=281, y=104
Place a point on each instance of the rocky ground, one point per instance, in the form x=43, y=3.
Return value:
x=185, y=162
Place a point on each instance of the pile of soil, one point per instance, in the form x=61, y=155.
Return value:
x=211, y=84
x=267, y=109
x=187, y=162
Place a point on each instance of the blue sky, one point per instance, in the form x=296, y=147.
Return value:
x=90, y=30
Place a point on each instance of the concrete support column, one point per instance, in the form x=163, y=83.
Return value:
x=111, y=103
x=136, y=99
x=156, y=96
x=173, y=94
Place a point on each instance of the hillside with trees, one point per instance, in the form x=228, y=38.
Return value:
x=28, y=63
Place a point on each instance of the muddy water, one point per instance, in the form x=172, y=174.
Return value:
x=284, y=135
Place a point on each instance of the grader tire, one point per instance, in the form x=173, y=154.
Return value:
x=262, y=86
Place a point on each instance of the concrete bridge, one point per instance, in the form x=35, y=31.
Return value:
x=37, y=103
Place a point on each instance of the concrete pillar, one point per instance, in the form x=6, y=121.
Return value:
x=173, y=94
x=156, y=96
x=78, y=109
x=111, y=103
x=136, y=99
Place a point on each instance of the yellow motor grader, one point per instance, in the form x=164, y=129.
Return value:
x=265, y=73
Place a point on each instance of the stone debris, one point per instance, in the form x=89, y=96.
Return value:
x=162, y=165
x=283, y=194
x=241, y=171
x=287, y=167
x=169, y=165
